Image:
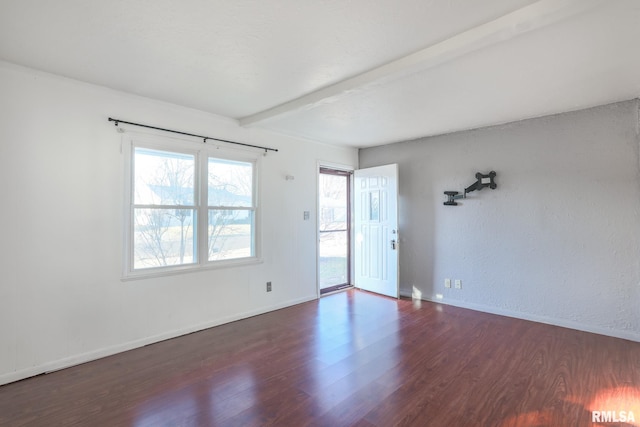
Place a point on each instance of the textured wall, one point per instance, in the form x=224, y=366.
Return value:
x=558, y=241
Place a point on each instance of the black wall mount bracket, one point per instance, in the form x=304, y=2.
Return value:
x=482, y=181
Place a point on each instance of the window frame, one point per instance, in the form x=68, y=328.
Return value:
x=201, y=152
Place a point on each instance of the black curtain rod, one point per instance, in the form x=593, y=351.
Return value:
x=205, y=138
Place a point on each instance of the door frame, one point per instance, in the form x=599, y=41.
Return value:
x=347, y=169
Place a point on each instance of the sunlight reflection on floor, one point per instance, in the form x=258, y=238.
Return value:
x=618, y=406
x=622, y=403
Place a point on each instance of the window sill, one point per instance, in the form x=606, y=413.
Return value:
x=173, y=271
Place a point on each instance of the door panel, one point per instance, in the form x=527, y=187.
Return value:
x=334, y=229
x=376, y=229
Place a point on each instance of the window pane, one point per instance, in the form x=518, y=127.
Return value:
x=163, y=178
x=333, y=258
x=230, y=234
x=163, y=237
x=333, y=202
x=230, y=183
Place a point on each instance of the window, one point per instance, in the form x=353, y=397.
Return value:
x=189, y=210
x=231, y=210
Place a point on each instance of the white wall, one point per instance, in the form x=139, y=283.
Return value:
x=62, y=300
x=558, y=241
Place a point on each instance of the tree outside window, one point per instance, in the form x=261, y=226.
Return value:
x=166, y=209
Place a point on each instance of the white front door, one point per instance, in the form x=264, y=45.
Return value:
x=376, y=229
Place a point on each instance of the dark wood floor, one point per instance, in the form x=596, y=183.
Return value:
x=351, y=358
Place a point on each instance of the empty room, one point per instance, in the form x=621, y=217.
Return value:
x=315, y=212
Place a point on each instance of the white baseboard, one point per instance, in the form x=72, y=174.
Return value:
x=109, y=351
x=564, y=323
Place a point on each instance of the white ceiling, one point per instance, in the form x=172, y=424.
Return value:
x=350, y=72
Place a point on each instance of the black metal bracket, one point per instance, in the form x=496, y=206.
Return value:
x=452, y=197
x=482, y=181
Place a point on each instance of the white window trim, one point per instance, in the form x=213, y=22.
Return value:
x=202, y=154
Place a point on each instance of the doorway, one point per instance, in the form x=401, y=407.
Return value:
x=334, y=230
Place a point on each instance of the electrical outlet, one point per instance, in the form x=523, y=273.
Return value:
x=447, y=283
x=268, y=286
x=458, y=284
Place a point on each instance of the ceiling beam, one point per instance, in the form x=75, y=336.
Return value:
x=529, y=18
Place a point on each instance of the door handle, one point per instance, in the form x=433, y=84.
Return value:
x=394, y=244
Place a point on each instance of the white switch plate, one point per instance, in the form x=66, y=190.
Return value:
x=458, y=284
x=447, y=283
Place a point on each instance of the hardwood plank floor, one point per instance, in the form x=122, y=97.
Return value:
x=349, y=359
